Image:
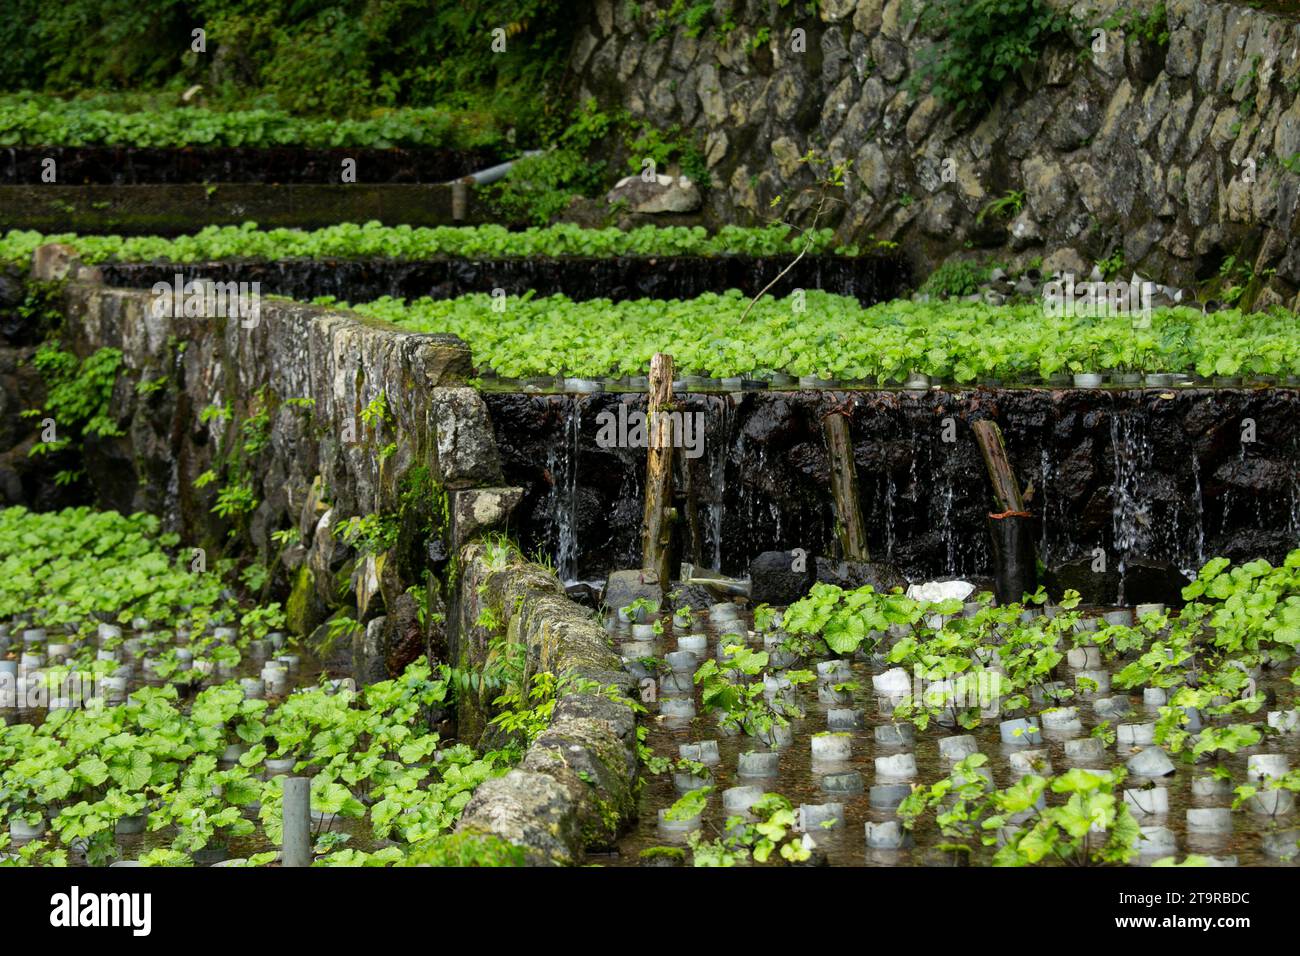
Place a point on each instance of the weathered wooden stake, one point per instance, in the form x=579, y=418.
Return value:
x=657, y=525
x=1015, y=565
x=1006, y=490
x=844, y=487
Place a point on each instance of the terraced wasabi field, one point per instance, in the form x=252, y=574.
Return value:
x=866, y=729
x=795, y=437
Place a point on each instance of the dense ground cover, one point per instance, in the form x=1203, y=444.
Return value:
x=135, y=722
x=351, y=240
x=31, y=120
x=835, y=337
x=1003, y=735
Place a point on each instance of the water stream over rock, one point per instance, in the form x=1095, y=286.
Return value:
x=1150, y=473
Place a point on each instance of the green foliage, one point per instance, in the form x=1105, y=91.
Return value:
x=85, y=769
x=373, y=757
x=1149, y=26
x=1091, y=827
x=49, y=121
x=955, y=278
x=78, y=394
x=836, y=337
x=1004, y=206
x=768, y=828
x=849, y=620
x=539, y=187
x=977, y=45
x=305, y=58
x=664, y=146
x=466, y=849
x=41, y=310
x=353, y=240
x=240, y=442
x=1112, y=265
x=764, y=615
x=690, y=804
x=728, y=689
x=372, y=533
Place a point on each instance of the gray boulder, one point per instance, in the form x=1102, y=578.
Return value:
x=1094, y=587
x=851, y=575
x=624, y=587
x=778, y=577
x=663, y=194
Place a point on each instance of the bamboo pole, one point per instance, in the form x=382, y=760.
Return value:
x=844, y=487
x=657, y=524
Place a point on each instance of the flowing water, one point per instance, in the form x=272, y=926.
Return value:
x=1143, y=484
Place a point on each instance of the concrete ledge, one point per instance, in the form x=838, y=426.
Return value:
x=172, y=209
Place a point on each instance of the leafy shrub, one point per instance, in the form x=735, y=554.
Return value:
x=304, y=57
x=539, y=187
x=978, y=44
x=1151, y=27
x=956, y=277
x=77, y=399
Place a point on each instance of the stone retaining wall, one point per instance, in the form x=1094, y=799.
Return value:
x=302, y=383
x=1170, y=153
x=576, y=787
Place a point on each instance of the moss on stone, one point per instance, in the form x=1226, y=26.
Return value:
x=656, y=853
x=469, y=848
x=299, y=607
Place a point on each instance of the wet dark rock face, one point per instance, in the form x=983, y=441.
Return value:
x=1163, y=475
x=24, y=479
x=867, y=278
x=781, y=577
x=132, y=166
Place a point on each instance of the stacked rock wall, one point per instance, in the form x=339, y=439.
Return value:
x=1177, y=154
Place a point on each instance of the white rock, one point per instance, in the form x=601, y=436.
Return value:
x=892, y=682
x=936, y=591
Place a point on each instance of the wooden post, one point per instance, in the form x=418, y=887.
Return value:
x=844, y=487
x=1015, y=565
x=1006, y=490
x=657, y=525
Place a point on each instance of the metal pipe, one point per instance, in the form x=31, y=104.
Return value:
x=493, y=173
x=296, y=810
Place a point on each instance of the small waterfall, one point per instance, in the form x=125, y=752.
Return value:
x=1131, y=515
x=562, y=503
x=1044, y=501
x=738, y=552
x=718, y=452
x=945, y=521
x=1295, y=490
x=1197, y=555
x=889, y=513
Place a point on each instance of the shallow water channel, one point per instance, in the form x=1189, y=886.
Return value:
x=803, y=781
x=137, y=646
